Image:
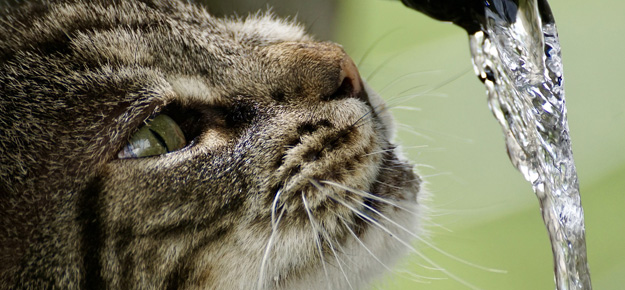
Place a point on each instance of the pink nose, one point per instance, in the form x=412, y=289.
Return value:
x=316, y=71
x=350, y=84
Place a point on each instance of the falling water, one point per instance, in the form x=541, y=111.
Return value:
x=516, y=53
x=520, y=65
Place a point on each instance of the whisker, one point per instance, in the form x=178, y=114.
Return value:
x=416, y=277
x=410, y=247
x=313, y=224
x=407, y=108
x=374, y=45
x=416, y=133
x=368, y=115
x=270, y=242
x=447, y=173
x=428, y=243
x=428, y=166
x=412, y=275
x=397, y=100
x=448, y=136
x=395, y=81
x=274, y=205
x=393, y=149
x=401, y=99
x=366, y=195
x=389, y=185
x=363, y=245
x=338, y=261
x=360, y=213
x=356, y=125
x=378, y=68
x=426, y=92
x=274, y=231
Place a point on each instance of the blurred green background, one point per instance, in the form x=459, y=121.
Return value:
x=483, y=210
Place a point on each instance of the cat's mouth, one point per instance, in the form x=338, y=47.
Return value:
x=347, y=167
x=343, y=185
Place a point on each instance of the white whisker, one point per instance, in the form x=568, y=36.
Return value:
x=402, y=78
x=389, y=185
x=417, y=278
x=406, y=244
x=365, y=117
x=274, y=206
x=428, y=243
x=404, y=98
x=436, y=175
x=380, y=261
x=374, y=45
x=274, y=231
x=409, y=129
x=313, y=224
x=338, y=261
x=393, y=149
x=401, y=99
x=378, y=68
x=367, y=195
x=407, y=108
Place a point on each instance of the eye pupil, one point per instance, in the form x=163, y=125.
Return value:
x=159, y=136
x=160, y=139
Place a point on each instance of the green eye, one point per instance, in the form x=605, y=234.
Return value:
x=159, y=136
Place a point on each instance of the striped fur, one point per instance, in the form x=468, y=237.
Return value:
x=77, y=80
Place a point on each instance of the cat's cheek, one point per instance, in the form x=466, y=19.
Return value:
x=382, y=111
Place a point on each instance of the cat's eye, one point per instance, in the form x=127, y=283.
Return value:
x=159, y=136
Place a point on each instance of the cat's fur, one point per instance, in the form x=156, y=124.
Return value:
x=286, y=159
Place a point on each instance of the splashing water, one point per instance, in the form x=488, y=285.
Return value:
x=516, y=53
x=520, y=65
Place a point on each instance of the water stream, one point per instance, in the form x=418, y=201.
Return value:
x=520, y=65
x=516, y=53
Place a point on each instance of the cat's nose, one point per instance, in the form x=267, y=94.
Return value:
x=349, y=82
x=316, y=71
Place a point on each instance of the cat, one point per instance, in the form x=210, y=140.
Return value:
x=146, y=144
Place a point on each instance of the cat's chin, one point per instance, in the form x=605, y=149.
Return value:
x=355, y=213
x=384, y=226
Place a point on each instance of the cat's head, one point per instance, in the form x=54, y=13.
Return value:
x=148, y=144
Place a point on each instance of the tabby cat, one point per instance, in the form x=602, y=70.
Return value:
x=145, y=144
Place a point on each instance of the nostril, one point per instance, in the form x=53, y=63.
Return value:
x=349, y=83
x=345, y=90
x=350, y=71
